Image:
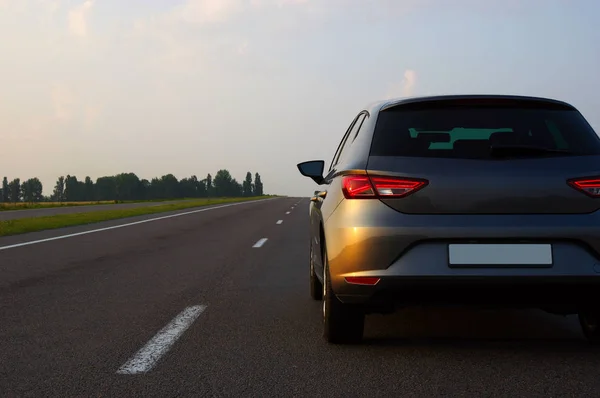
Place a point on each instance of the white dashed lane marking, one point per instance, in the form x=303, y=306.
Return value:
x=279, y=222
x=260, y=243
x=159, y=345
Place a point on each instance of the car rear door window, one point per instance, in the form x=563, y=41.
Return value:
x=350, y=138
x=345, y=143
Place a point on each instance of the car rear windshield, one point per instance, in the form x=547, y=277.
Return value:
x=475, y=132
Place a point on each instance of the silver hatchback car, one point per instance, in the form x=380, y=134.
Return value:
x=462, y=200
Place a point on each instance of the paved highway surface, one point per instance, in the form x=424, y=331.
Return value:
x=201, y=305
x=50, y=211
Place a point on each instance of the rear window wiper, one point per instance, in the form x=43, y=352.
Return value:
x=500, y=150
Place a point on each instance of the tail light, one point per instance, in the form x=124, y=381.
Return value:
x=362, y=280
x=361, y=186
x=589, y=186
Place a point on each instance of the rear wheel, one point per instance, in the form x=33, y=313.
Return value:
x=590, y=325
x=343, y=323
x=316, y=287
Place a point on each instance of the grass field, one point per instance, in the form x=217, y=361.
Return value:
x=44, y=205
x=33, y=224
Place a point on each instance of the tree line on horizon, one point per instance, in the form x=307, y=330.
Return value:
x=128, y=186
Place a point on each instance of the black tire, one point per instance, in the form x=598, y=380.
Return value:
x=342, y=323
x=590, y=325
x=316, y=287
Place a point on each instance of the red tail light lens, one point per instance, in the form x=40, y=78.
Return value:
x=362, y=280
x=356, y=187
x=589, y=186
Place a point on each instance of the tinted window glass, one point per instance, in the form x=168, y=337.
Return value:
x=357, y=126
x=475, y=132
x=346, y=140
x=351, y=136
x=340, y=147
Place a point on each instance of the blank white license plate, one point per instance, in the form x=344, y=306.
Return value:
x=500, y=254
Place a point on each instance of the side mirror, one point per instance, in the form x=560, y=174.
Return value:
x=313, y=169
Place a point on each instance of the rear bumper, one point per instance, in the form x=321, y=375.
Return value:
x=410, y=255
x=423, y=276
x=562, y=294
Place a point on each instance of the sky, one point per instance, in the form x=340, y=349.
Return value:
x=188, y=87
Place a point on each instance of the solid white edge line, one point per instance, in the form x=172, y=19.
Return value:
x=33, y=242
x=260, y=242
x=159, y=345
x=279, y=222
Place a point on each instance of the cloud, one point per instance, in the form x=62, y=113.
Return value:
x=404, y=88
x=15, y=6
x=163, y=25
x=409, y=82
x=243, y=48
x=91, y=115
x=70, y=108
x=51, y=5
x=276, y=3
x=206, y=11
x=281, y=3
x=78, y=18
x=63, y=102
x=179, y=53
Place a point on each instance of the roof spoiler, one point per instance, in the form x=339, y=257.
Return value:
x=452, y=101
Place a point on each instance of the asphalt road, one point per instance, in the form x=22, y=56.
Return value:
x=51, y=211
x=80, y=316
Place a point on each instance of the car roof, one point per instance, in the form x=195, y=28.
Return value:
x=378, y=106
